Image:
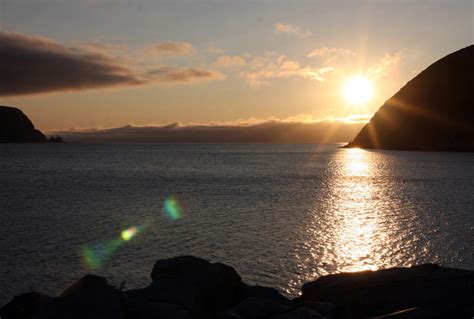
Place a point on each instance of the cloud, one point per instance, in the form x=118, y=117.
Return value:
x=265, y=132
x=342, y=60
x=173, y=49
x=283, y=28
x=168, y=74
x=353, y=119
x=325, y=51
x=227, y=61
x=34, y=65
x=102, y=48
x=385, y=66
x=262, y=69
x=213, y=49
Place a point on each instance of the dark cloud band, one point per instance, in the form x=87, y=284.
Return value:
x=36, y=65
x=183, y=75
x=31, y=65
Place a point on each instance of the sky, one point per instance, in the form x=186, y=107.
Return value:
x=100, y=64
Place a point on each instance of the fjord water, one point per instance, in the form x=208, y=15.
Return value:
x=280, y=214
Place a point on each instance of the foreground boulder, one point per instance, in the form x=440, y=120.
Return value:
x=25, y=305
x=203, y=285
x=90, y=297
x=432, y=112
x=190, y=283
x=188, y=287
x=446, y=292
x=412, y=313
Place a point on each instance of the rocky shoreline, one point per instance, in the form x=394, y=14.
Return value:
x=189, y=287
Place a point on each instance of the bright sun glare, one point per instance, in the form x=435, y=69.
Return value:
x=358, y=90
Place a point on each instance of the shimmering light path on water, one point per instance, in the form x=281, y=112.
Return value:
x=280, y=214
x=353, y=228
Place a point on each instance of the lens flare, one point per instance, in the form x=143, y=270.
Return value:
x=172, y=208
x=127, y=234
x=94, y=256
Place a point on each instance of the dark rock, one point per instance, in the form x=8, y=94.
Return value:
x=192, y=288
x=253, y=308
x=447, y=291
x=25, y=305
x=178, y=265
x=229, y=315
x=139, y=306
x=265, y=293
x=412, y=313
x=90, y=297
x=433, y=111
x=194, y=283
x=299, y=313
x=56, y=139
x=327, y=309
x=159, y=310
x=15, y=127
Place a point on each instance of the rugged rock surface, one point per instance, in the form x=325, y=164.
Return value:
x=433, y=112
x=188, y=287
x=16, y=127
x=447, y=292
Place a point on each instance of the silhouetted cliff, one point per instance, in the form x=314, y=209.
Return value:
x=16, y=127
x=432, y=112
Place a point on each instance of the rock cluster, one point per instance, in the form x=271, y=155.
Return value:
x=189, y=287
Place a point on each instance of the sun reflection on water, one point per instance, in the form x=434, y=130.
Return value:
x=356, y=162
x=355, y=237
x=350, y=224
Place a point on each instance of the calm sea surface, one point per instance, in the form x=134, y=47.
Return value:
x=280, y=214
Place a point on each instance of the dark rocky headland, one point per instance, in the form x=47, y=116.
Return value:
x=190, y=287
x=16, y=127
x=432, y=112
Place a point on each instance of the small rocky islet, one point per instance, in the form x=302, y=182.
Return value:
x=188, y=287
x=16, y=127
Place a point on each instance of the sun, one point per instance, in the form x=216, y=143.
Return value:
x=358, y=90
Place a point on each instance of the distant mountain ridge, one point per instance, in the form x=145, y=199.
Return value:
x=272, y=132
x=432, y=112
x=16, y=127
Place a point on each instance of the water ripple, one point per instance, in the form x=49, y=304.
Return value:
x=280, y=214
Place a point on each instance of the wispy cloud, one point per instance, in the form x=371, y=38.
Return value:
x=167, y=74
x=352, y=119
x=325, y=52
x=289, y=29
x=341, y=60
x=173, y=49
x=213, y=49
x=227, y=61
x=385, y=66
x=262, y=69
x=102, y=47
